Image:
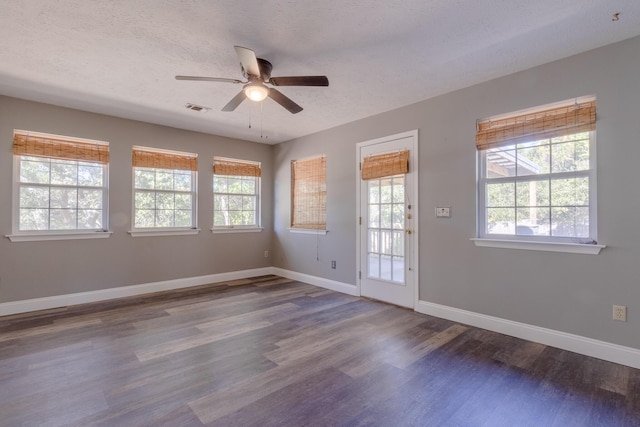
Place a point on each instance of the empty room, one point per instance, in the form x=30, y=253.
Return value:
x=338, y=213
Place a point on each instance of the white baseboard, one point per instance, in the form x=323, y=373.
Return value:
x=578, y=344
x=334, y=285
x=56, y=301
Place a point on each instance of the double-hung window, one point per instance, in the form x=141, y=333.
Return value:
x=309, y=194
x=236, y=194
x=60, y=187
x=537, y=174
x=164, y=192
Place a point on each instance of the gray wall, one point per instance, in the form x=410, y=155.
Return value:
x=567, y=292
x=40, y=269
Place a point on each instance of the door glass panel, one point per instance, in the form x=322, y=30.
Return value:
x=385, y=228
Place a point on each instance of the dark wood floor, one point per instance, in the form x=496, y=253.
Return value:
x=274, y=352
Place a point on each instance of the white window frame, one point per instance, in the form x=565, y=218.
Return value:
x=164, y=231
x=533, y=242
x=257, y=194
x=69, y=234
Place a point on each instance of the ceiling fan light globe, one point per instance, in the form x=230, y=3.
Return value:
x=256, y=92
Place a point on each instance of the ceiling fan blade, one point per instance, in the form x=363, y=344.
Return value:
x=300, y=81
x=237, y=100
x=209, y=79
x=285, y=101
x=248, y=60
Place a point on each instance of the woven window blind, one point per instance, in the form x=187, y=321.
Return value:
x=163, y=160
x=308, y=193
x=546, y=123
x=57, y=147
x=382, y=165
x=235, y=167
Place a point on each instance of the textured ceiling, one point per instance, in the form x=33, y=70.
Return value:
x=120, y=57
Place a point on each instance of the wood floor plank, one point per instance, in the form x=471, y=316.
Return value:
x=270, y=351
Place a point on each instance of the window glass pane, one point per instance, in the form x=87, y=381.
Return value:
x=90, y=219
x=385, y=242
x=34, y=219
x=220, y=203
x=164, y=218
x=374, y=216
x=144, y=178
x=398, y=243
x=235, y=203
x=145, y=200
x=164, y=180
x=385, y=190
x=533, y=193
x=374, y=191
x=385, y=267
x=249, y=185
x=248, y=203
x=220, y=218
x=500, y=162
x=501, y=195
x=183, y=201
x=248, y=218
x=398, y=216
x=63, y=219
x=533, y=160
x=398, y=190
x=183, y=218
x=374, y=241
x=165, y=201
x=235, y=217
x=182, y=181
x=219, y=184
x=570, y=221
x=64, y=198
x=385, y=216
x=89, y=176
x=501, y=220
x=570, y=192
x=373, y=265
x=398, y=269
x=36, y=172
x=34, y=197
x=532, y=221
x=234, y=185
x=64, y=172
x=90, y=199
x=144, y=218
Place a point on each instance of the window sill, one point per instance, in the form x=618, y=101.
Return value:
x=573, y=248
x=59, y=236
x=236, y=230
x=308, y=231
x=158, y=232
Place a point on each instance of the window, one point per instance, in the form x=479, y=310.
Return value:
x=308, y=194
x=537, y=174
x=164, y=190
x=60, y=186
x=236, y=194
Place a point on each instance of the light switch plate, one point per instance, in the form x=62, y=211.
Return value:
x=444, y=212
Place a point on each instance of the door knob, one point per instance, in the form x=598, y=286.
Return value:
x=408, y=231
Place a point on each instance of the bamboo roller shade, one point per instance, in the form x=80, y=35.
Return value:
x=156, y=159
x=41, y=146
x=235, y=168
x=308, y=192
x=549, y=123
x=382, y=165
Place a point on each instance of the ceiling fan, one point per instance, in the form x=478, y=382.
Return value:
x=257, y=71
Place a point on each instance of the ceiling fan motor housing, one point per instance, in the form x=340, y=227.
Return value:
x=265, y=71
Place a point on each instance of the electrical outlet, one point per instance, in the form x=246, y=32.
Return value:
x=333, y=265
x=620, y=313
x=266, y=254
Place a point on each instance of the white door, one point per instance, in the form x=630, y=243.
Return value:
x=387, y=232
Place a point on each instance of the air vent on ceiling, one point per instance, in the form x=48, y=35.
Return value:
x=198, y=108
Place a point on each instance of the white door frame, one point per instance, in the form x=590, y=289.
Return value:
x=413, y=196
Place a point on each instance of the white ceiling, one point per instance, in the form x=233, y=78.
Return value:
x=120, y=57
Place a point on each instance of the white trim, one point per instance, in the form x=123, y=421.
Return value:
x=58, y=236
x=573, y=248
x=164, y=151
x=345, y=288
x=14, y=307
x=308, y=231
x=231, y=230
x=157, y=232
x=587, y=346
